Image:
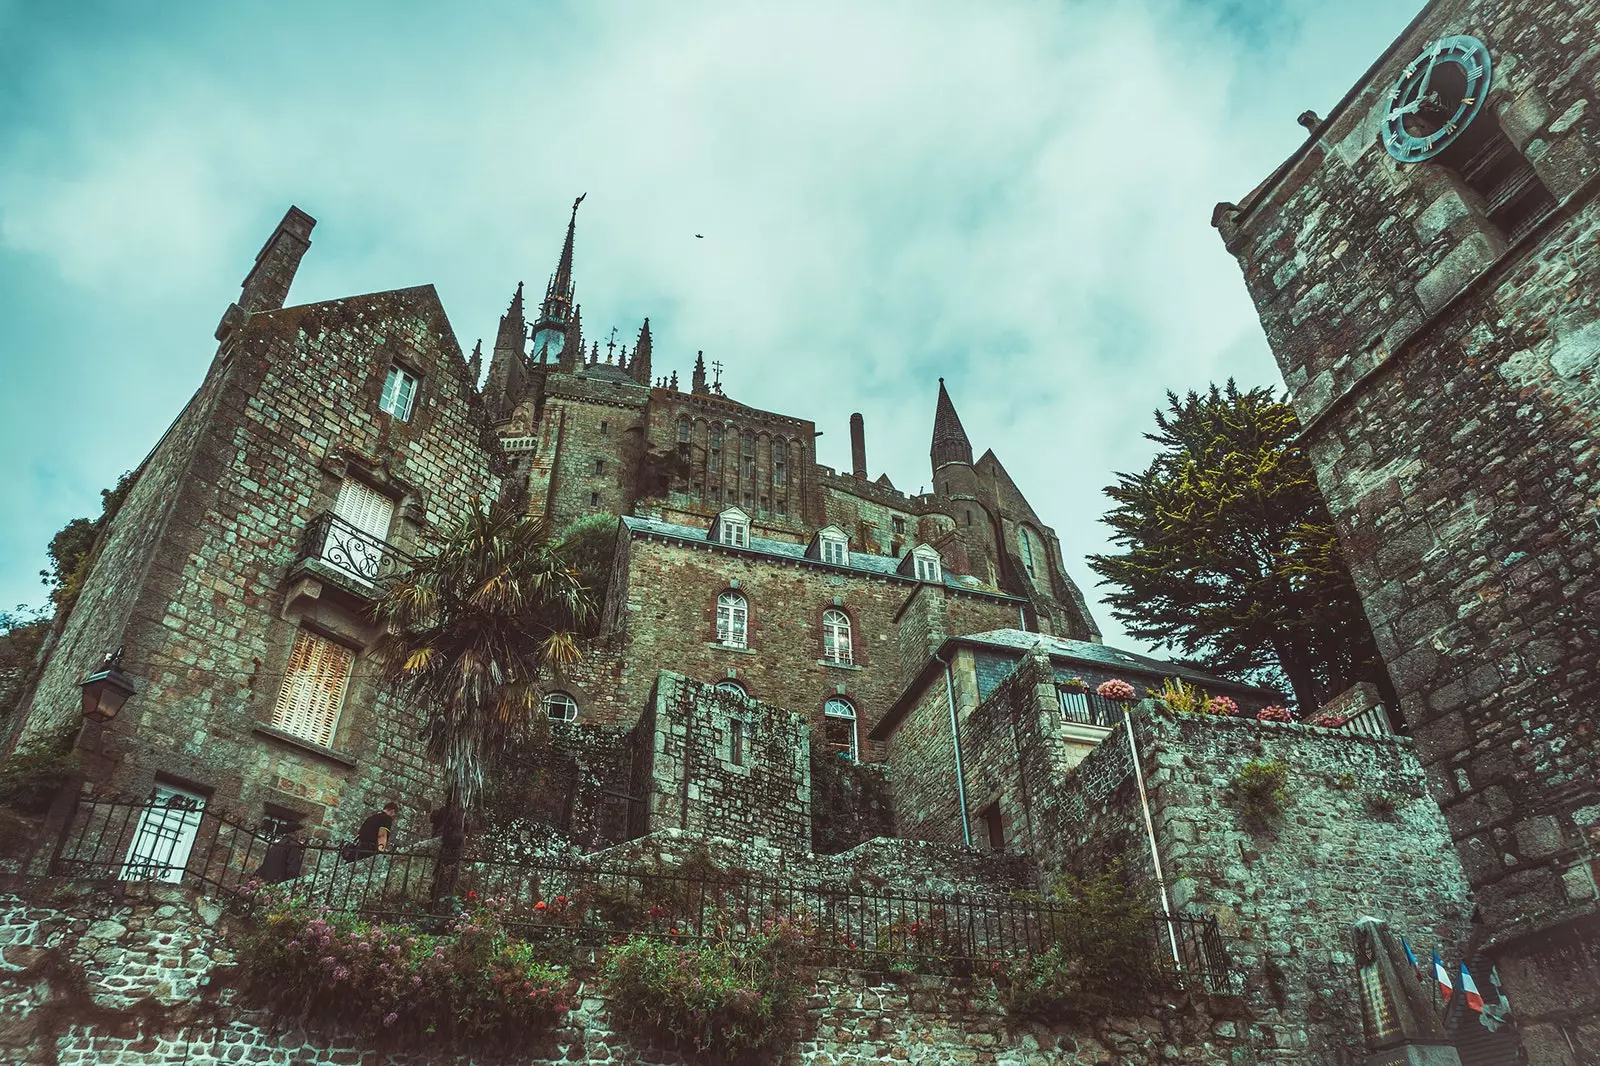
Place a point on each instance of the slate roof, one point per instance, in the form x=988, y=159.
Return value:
x=882, y=565
x=1098, y=655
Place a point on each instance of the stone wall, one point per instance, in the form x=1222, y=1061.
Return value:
x=142, y=977
x=1447, y=381
x=1358, y=836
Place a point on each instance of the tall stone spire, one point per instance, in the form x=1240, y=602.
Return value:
x=698, y=381
x=475, y=364
x=950, y=443
x=508, y=369
x=639, y=369
x=559, y=311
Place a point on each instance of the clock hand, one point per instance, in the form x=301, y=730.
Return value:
x=1407, y=109
x=1427, y=75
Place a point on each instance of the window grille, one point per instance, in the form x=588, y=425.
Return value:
x=836, y=636
x=313, y=689
x=839, y=728
x=399, y=394
x=733, y=688
x=560, y=707
x=733, y=617
x=167, y=828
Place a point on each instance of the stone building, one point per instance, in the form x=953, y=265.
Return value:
x=1425, y=266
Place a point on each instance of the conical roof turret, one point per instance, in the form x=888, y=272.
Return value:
x=950, y=443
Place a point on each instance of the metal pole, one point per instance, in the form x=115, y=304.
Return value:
x=1150, y=833
x=955, y=743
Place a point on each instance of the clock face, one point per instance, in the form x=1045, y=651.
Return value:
x=1439, y=93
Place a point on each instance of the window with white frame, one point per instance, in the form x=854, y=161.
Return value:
x=733, y=620
x=560, y=707
x=733, y=688
x=355, y=544
x=313, y=689
x=926, y=563
x=399, y=393
x=836, y=636
x=733, y=529
x=167, y=828
x=839, y=728
x=835, y=549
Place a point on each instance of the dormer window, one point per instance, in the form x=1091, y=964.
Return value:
x=732, y=528
x=833, y=547
x=925, y=564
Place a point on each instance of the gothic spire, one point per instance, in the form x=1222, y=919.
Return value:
x=475, y=364
x=513, y=327
x=639, y=368
x=950, y=443
x=558, y=296
x=697, y=383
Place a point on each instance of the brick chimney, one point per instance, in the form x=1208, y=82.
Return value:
x=858, y=446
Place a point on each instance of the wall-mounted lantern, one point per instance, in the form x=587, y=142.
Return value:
x=107, y=689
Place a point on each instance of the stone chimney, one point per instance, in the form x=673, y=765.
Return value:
x=858, y=446
x=266, y=287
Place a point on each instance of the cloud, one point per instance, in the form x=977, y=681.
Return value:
x=1015, y=197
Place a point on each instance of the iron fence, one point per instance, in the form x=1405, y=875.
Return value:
x=589, y=905
x=1083, y=707
x=350, y=550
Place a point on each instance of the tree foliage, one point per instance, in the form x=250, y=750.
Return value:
x=1229, y=554
x=71, y=549
x=471, y=631
x=588, y=545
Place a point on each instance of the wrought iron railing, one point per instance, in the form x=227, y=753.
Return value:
x=1082, y=707
x=591, y=905
x=352, y=552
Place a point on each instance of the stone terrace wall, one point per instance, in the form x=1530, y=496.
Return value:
x=142, y=978
x=1285, y=895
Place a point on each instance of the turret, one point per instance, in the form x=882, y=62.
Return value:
x=558, y=313
x=508, y=366
x=639, y=369
x=950, y=443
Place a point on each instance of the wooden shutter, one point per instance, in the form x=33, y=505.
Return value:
x=313, y=689
x=365, y=508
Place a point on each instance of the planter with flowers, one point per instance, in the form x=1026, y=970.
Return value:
x=1117, y=690
x=1222, y=705
x=1274, y=713
x=1075, y=684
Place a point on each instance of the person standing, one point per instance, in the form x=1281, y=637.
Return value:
x=373, y=836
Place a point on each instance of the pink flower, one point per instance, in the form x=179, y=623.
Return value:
x=390, y=1018
x=1117, y=689
x=1274, y=713
x=1222, y=705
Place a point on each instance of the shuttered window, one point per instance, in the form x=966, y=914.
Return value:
x=313, y=689
x=365, y=508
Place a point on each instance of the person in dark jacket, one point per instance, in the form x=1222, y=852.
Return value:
x=373, y=836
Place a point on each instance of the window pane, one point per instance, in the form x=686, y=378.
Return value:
x=313, y=689
x=167, y=828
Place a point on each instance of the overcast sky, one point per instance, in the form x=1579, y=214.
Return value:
x=1013, y=196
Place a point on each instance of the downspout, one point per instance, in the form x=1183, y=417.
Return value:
x=955, y=744
x=1150, y=834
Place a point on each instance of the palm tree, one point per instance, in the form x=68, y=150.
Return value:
x=486, y=612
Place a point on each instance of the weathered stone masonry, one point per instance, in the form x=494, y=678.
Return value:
x=1447, y=383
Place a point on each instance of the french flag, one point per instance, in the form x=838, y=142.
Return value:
x=1474, y=997
x=1442, y=975
x=1411, y=957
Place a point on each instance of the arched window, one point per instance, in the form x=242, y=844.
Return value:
x=1027, y=551
x=560, y=707
x=683, y=429
x=733, y=688
x=835, y=636
x=839, y=727
x=733, y=619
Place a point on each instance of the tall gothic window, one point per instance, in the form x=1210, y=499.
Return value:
x=733, y=620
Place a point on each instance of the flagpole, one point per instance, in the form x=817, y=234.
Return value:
x=1150, y=833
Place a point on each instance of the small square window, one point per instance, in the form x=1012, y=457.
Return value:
x=399, y=394
x=899, y=524
x=605, y=427
x=834, y=551
x=599, y=466
x=594, y=499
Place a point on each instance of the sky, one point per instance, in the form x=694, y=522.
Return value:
x=1013, y=196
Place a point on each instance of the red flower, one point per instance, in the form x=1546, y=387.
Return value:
x=471, y=894
x=539, y=906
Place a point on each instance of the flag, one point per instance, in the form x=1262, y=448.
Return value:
x=1474, y=997
x=1442, y=975
x=1416, y=967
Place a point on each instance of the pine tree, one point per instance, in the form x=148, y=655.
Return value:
x=1229, y=552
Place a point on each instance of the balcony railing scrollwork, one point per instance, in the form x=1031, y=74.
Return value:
x=350, y=551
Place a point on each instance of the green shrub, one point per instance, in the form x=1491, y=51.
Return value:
x=472, y=985
x=1100, y=957
x=30, y=777
x=739, y=1002
x=1261, y=786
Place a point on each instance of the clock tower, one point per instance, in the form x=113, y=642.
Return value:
x=1426, y=266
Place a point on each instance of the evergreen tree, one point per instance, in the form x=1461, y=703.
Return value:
x=1229, y=553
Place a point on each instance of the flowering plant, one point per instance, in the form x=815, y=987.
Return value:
x=1075, y=684
x=1117, y=689
x=471, y=984
x=1222, y=705
x=1329, y=719
x=1274, y=713
x=736, y=1000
